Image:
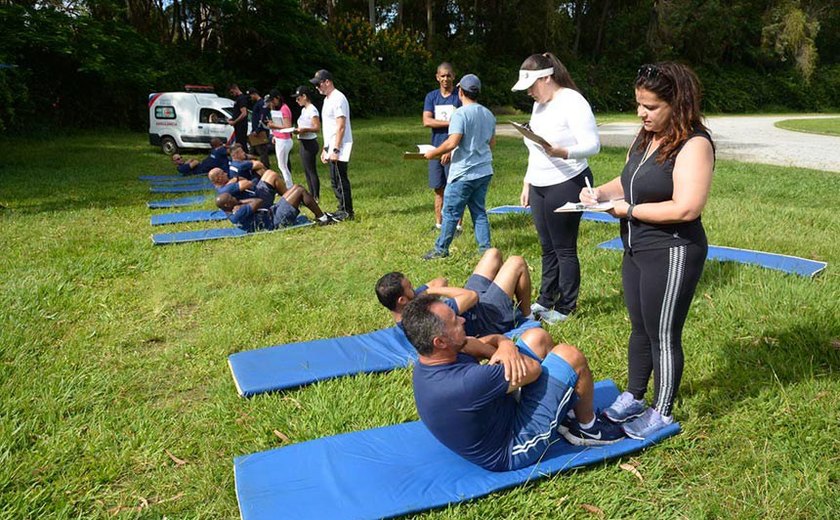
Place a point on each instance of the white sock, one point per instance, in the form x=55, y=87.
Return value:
x=588, y=425
x=530, y=317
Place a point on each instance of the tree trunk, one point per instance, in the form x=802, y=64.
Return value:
x=430, y=22
x=599, y=41
x=372, y=13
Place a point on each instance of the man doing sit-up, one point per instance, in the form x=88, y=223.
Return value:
x=253, y=214
x=241, y=166
x=486, y=302
x=218, y=158
x=265, y=187
x=473, y=409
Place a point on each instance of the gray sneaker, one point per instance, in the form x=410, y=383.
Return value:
x=647, y=424
x=624, y=408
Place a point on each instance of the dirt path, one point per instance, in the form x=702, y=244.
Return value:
x=747, y=138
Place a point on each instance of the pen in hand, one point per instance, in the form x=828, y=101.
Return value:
x=589, y=187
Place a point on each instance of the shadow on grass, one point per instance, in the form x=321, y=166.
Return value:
x=773, y=357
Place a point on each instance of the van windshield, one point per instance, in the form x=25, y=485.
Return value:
x=228, y=111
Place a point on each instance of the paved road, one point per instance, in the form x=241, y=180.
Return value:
x=750, y=139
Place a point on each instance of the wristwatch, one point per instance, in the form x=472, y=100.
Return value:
x=336, y=150
x=630, y=209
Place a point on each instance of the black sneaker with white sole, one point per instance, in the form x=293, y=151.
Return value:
x=599, y=434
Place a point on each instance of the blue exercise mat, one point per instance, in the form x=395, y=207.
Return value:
x=166, y=178
x=595, y=216
x=188, y=216
x=196, y=181
x=784, y=263
x=182, y=189
x=177, y=203
x=394, y=470
x=180, y=237
x=271, y=369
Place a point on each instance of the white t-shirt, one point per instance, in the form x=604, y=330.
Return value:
x=335, y=106
x=305, y=121
x=565, y=121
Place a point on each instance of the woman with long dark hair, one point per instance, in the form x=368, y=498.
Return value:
x=556, y=173
x=281, y=118
x=659, y=197
x=308, y=126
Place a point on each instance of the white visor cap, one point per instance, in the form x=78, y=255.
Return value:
x=528, y=77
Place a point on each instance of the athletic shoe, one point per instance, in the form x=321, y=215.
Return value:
x=624, y=408
x=326, y=219
x=341, y=216
x=599, y=434
x=437, y=226
x=549, y=316
x=649, y=423
x=434, y=254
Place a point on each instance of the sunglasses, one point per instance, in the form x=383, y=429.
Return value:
x=647, y=72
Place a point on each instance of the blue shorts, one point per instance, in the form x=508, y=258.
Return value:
x=494, y=313
x=265, y=192
x=284, y=214
x=437, y=174
x=542, y=406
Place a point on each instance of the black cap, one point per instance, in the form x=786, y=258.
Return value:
x=321, y=75
x=252, y=90
x=302, y=91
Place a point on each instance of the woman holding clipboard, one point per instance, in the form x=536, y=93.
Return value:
x=281, y=118
x=557, y=170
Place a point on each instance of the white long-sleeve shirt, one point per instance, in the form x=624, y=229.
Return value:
x=566, y=121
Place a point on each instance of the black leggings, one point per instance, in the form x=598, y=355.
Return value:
x=341, y=186
x=658, y=287
x=558, y=234
x=309, y=152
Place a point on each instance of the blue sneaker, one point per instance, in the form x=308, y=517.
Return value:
x=650, y=422
x=601, y=433
x=624, y=408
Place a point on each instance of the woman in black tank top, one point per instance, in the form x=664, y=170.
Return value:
x=659, y=197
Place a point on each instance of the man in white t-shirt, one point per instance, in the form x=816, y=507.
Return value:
x=338, y=140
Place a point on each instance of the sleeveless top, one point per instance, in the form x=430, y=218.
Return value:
x=654, y=182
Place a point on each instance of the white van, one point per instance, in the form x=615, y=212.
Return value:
x=190, y=119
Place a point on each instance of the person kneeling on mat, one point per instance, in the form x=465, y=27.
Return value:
x=254, y=215
x=218, y=158
x=485, y=302
x=473, y=409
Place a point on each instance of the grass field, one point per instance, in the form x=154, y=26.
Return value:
x=113, y=352
x=824, y=126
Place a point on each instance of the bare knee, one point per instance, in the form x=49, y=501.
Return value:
x=539, y=341
x=518, y=262
x=572, y=356
x=492, y=255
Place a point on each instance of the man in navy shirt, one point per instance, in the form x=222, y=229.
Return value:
x=253, y=215
x=472, y=408
x=438, y=108
x=260, y=114
x=486, y=301
x=241, y=166
x=217, y=159
x=239, y=121
x=265, y=188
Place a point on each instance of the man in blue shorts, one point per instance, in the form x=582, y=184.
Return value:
x=486, y=302
x=253, y=215
x=265, y=188
x=218, y=158
x=472, y=136
x=241, y=166
x=438, y=108
x=474, y=410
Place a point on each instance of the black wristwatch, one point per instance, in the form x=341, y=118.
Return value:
x=630, y=212
x=336, y=150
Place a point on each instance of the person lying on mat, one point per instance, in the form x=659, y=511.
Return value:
x=241, y=166
x=486, y=302
x=245, y=188
x=218, y=158
x=502, y=415
x=254, y=215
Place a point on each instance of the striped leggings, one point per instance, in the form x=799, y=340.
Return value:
x=659, y=285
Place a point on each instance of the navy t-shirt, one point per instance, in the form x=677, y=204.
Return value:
x=467, y=408
x=258, y=115
x=442, y=107
x=246, y=219
x=219, y=159
x=243, y=169
x=472, y=326
x=235, y=191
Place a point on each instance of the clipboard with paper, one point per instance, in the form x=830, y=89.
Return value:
x=526, y=131
x=420, y=154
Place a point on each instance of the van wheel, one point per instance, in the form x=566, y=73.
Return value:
x=168, y=146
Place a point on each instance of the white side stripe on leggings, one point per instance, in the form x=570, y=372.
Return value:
x=533, y=441
x=676, y=272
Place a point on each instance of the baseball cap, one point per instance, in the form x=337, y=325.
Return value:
x=302, y=91
x=321, y=75
x=470, y=83
x=528, y=77
x=252, y=90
